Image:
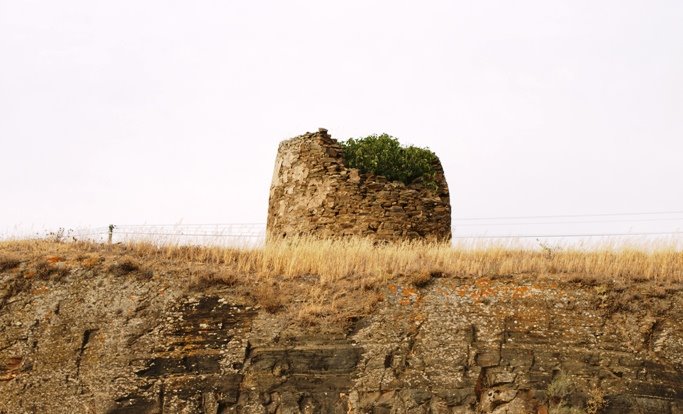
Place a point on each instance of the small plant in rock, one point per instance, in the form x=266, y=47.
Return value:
x=59, y=236
x=422, y=278
x=384, y=155
x=559, y=392
x=548, y=251
x=268, y=297
x=50, y=269
x=568, y=395
x=124, y=266
x=567, y=410
x=596, y=400
x=8, y=262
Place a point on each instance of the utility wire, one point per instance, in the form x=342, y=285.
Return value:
x=565, y=235
x=506, y=236
x=188, y=234
x=568, y=222
x=572, y=215
x=455, y=219
x=191, y=225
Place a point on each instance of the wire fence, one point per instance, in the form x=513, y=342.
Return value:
x=584, y=229
x=466, y=230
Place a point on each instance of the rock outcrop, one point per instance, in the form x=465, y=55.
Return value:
x=314, y=193
x=93, y=341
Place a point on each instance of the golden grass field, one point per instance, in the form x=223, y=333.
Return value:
x=335, y=280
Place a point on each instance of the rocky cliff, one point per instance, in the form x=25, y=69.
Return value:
x=90, y=334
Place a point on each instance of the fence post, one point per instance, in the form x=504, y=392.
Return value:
x=111, y=233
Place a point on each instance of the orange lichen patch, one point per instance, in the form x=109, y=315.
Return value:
x=489, y=292
x=441, y=291
x=409, y=291
x=519, y=292
x=486, y=289
x=39, y=290
x=91, y=261
x=406, y=295
x=55, y=259
x=482, y=282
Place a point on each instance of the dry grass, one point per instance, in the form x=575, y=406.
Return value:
x=334, y=259
x=332, y=281
x=9, y=261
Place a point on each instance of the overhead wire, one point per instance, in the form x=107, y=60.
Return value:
x=527, y=236
x=571, y=215
x=570, y=222
x=163, y=229
x=188, y=234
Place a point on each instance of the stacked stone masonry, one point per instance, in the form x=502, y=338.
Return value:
x=314, y=193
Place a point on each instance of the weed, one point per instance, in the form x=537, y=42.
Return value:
x=90, y=261
x=596, y=400
x=268, y=297
x=566, y=410
x=13, y=287
x=560, y=389
x=548, y=250
x=8, y=262
x=59, y=236
x=50, y=270
x=213, y=278
x=568, y=395
x=124, y=266
x=421, y=279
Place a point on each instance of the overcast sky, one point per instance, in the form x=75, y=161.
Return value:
x=166, y=111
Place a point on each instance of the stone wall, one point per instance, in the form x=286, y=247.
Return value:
x=314, y=193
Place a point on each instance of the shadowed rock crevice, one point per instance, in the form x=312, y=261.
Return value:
x=84, y=343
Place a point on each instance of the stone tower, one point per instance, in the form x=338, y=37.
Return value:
x=314, y=193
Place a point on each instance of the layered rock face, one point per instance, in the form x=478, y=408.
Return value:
x=313, y=193
x=102, y=343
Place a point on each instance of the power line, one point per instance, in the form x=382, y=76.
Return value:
x=508, y=236
x=455, y=219
x=571, y=215
x=191, y=225
x=187, y=234
x=569, y=222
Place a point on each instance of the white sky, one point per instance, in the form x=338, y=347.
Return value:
x=167, y=111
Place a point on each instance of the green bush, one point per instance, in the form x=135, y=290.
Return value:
x=384, y=155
